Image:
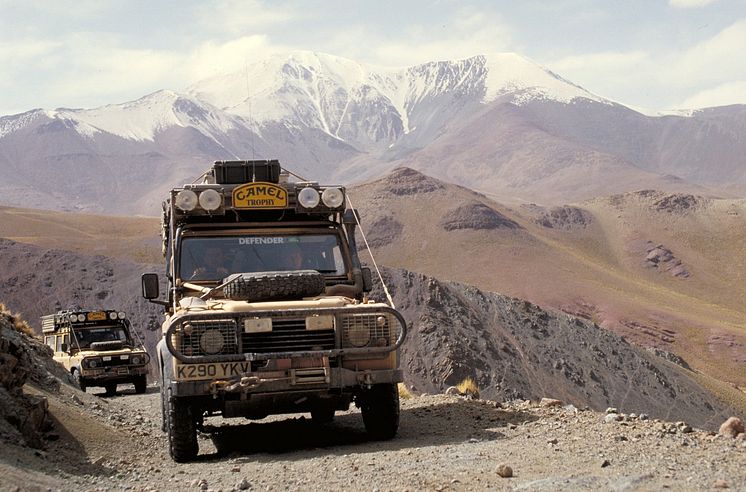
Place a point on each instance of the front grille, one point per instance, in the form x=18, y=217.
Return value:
x=115, y=361
x=244, y=333
x=206, y=337
x=287, y=335
x=364, y=330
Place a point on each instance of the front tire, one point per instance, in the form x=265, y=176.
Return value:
x=182, y=431
x=79, y=380
x=380, y=409
x=141, y=384
x=322, y=413
x=111, y=389
x=164, y=410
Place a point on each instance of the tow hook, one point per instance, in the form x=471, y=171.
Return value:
x=245, y=383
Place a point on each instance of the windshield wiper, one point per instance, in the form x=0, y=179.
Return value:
x=206, y=291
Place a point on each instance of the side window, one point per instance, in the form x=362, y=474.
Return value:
x=49, y=341
x=58, y=347
x=66, y=341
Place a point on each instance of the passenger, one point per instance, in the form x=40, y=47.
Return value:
x=293, y=260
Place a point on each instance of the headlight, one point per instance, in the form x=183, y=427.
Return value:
x=210, y=200
x=358, y=334
x=121, y=315
x=186, y=200
x=91, y=363
x=188, y=329
x=332, y=197
x=112, y=315
x=308, y=197
x=139, y=359
x=211, y=342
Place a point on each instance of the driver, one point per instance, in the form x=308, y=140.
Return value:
x=212, y=265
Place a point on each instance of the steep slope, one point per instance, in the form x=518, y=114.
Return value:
x=514, y=349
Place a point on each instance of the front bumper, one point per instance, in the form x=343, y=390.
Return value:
x=320, y=380
x=114, y=374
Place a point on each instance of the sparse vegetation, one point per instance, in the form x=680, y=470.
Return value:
x=468, y=387
x=404, y=393
x=17, y=322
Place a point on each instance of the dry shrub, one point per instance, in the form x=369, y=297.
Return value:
x=468, y=387
x=18, y=323
x=404, y=393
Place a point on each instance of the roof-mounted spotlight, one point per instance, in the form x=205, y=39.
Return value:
x=333, y=197
x=210, y=200
x=186, y=200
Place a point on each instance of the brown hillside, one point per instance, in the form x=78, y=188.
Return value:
x=132, y=238
x=588, y=259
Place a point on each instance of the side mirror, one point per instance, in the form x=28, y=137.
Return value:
x=367, y=280
x=150, y=286
x=64, y=347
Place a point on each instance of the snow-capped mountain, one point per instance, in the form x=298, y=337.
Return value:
x=366, y=105
x=498, y=123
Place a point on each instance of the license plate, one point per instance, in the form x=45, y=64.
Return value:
x=123, y=370
x=217, y=370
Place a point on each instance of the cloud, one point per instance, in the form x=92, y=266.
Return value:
x=689, y=4
x=662, y=79
x=620, y=76
x=722, y=95
x=16, y=51
x=211, y=58
x=715, y=60
x=602, y=62
x=466, y=34
x=242, y=17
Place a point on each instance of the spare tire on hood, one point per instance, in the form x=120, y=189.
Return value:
x=273, y=286
x=107, y=345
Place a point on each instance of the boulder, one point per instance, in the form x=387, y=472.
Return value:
x=732, y=427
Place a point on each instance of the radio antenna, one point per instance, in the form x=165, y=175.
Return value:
x=251, y=113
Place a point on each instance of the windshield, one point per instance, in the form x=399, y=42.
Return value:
x=214, y=258
x=86, y=336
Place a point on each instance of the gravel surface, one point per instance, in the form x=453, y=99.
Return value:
x=444, y=443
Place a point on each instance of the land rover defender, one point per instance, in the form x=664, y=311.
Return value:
x=99, y=348
x=267, y=310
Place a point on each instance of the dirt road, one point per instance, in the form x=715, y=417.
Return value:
x=444, y=443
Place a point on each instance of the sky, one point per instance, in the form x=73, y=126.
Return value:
x=652, y=55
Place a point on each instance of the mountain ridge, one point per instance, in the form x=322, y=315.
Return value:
x=501, y=125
